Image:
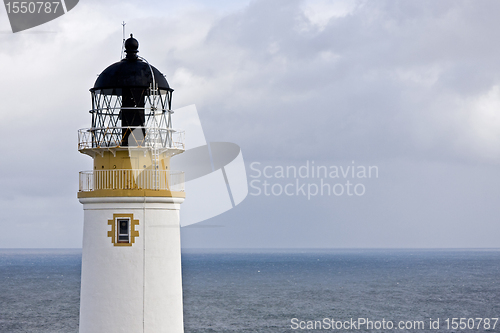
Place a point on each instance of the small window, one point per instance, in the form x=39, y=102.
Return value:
x=123, y=230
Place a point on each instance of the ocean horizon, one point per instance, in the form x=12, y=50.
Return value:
x=280, y=290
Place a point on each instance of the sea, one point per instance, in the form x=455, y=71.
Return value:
x=280, y=290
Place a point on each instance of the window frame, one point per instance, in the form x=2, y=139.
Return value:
x=118, y=220
x=114, y=233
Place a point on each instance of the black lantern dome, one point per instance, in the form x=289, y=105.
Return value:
x=130, y=72
x=130, y=95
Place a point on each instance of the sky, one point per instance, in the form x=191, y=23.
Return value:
x=411, y=89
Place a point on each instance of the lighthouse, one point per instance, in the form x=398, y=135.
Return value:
x=131, y=257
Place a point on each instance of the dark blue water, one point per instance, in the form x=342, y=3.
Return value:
x=262, y=292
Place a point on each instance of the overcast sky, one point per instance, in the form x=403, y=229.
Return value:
x=411, y=87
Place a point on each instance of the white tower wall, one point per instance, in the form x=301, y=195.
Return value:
x=137, y=288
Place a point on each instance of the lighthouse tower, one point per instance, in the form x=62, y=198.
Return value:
x=131, y=261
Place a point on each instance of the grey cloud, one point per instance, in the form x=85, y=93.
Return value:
x=392, y=80
x=343, y=87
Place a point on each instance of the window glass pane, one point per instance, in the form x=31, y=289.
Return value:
x=123, y=231
x=123, y=227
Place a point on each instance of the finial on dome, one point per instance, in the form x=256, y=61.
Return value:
x=131, y=47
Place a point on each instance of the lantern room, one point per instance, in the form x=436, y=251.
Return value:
x=131, y=137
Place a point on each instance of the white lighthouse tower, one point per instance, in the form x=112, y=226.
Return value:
x=131, y=261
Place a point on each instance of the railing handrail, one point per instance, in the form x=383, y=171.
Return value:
x=134, y=170
x=90, y=129
x=120, y=107
x=108, y=137
x=129, y=179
